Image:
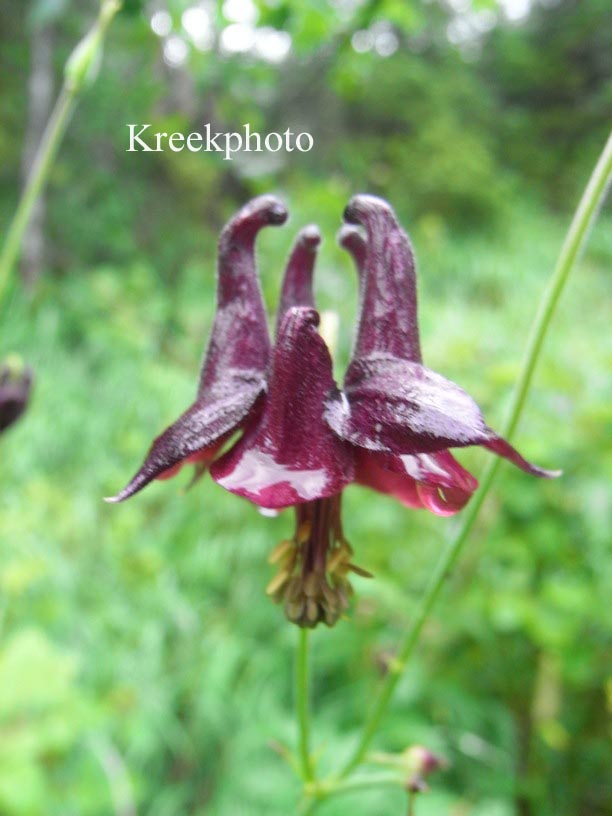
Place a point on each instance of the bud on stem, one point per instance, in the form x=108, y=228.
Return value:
x=84, y=63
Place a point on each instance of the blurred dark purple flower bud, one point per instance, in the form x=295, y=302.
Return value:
x=15, y=389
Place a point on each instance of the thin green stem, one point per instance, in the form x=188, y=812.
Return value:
x=79, y=70
x=43, y=162
x=584, y=217
x=302, y=703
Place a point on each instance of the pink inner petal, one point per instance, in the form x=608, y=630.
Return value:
x=435, y=481
x=442, y=501
x=371, y=474
x=170, y=472
x=439, y=469
x=202, y=458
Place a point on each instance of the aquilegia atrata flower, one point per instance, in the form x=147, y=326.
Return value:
x=304, y=440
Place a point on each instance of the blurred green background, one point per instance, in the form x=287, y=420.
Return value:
x=142, y=669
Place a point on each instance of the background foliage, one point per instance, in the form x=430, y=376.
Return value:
x=141, y=668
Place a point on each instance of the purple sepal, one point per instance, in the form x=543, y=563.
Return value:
x=401, y=407
x=398, y=407
x=197, y=434
x=502, y=448
x=290, y=456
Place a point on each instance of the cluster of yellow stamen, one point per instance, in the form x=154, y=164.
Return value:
x=313, y=567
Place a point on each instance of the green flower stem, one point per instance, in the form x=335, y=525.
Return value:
x=302, y=704
x=80, y=71
x=47, y=150
x=584, y=217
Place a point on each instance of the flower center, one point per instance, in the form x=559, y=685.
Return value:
x=313, y=566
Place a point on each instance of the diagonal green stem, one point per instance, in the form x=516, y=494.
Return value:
x=49, y=144
x=575, y=239
x=302, y=703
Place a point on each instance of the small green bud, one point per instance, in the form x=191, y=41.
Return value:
x=83, y=64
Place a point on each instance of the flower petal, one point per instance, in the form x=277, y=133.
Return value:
x=400, y=407
x=391, y=402
x=290, y=456
x=435, y=481
x=436, y=469
x=233, y=374
x=442, y=502
x=370, y=473
x=388, y=312
x=297, y=282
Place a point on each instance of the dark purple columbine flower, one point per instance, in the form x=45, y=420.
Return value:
x=233, y=376
x=303, y=439
x=15, y=389
x=396, y=418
